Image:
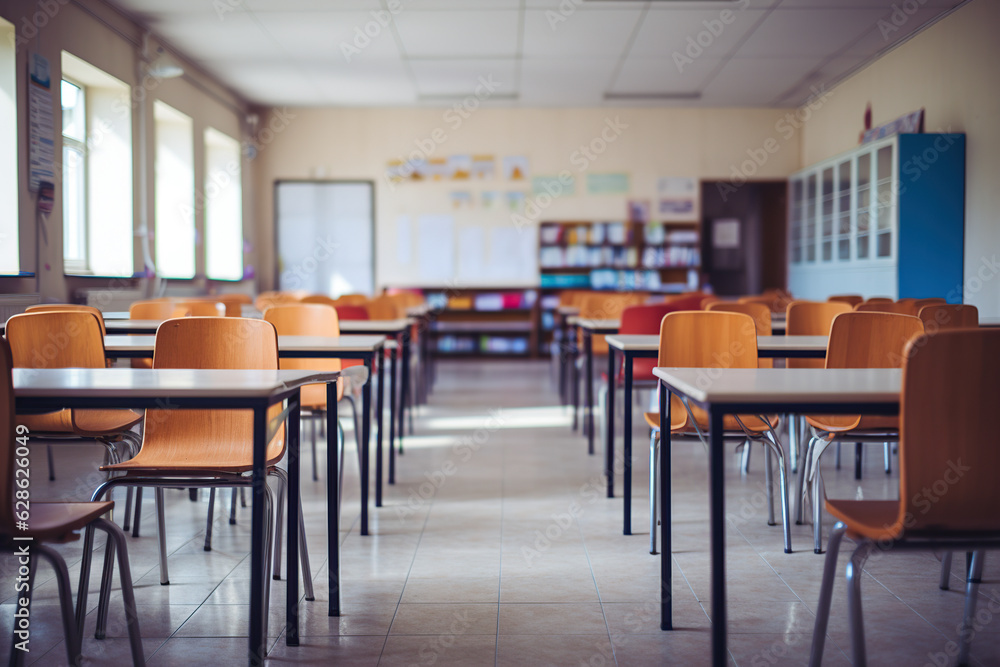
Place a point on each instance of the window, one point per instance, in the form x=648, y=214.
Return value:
x=223, y=203
x=174, y=237
x=97, y=171
x=9, y=249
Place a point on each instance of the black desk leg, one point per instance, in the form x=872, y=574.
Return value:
x=717, y=512
x=366, y=427
x=666, y=546
x=258, y=647
x=559, y=337
x=588, y=344
x=609, y=426
x=574, y=374
x=292, y=546
x=392, y=415
x=333, y=498
x=627, y=446
x=404, y=383
x=379, y=406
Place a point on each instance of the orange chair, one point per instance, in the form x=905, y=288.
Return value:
x=850, y=299
x=54, y=522
x=352, y=300
x=760, y=313
x=811, y=318
x=206, y=448
x=920, y=303
x=320, y=299
x=46, y=338
x=55, y=307
x=156, y=309
x=950, y=390
x=700, y=339
x=202, y=307
x=898, y=308
x=384, y=307
x=857, y=340
x=943, y=317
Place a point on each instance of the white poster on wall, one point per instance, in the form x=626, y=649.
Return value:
x=41, y=125
x=435, y=249
x=471, y=255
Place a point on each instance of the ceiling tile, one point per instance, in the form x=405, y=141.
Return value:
x=341, y=37
x=237, y=35
x=465, y=77
x=582, y=33
x=693, y=33
x=756, y=81
x=659, y=75
x=565, y=81
x=458, y=34
x=790, y=33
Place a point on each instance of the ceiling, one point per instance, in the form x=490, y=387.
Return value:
x=559, y=53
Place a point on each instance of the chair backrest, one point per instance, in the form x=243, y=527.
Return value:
x=948, y=459
x=212, y=343
x=944, y=316
x=352, y=312
x=707, y=339
x=202, y=308
x=56, y=339
x=870, y=340
x=920, y=303
x=878, y=299
x=352, y=300
x=159, y=309
x=811, y=318
x=605, y=306
x=8, y=445
x=233, y=303
x=319, y=298
x=384, y=308
x=305, y=319
x=761, y=315
x=50, y=307
x=899, y=308
x=851, y=299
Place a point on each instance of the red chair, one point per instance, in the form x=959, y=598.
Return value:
x=351, y=312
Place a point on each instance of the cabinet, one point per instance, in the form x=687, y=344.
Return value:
x=884, y=219
x=483, y=322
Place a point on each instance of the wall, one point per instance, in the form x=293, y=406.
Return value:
x=948, y=69
x=108, y=40
x=646, y=143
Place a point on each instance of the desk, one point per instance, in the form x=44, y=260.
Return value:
x=589, y=327
x=562, y=341
x=52, y=389
x=633, y=346
x=755, y=391
x=308, y=347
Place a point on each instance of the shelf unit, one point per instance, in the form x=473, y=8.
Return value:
x=884, y=219
x=487, y=322
x=623, y=256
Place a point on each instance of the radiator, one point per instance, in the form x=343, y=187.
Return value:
x=108, y=299
x=12, y=304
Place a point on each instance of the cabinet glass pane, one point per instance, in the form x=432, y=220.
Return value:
x=796, y=221
x=863, y=203
x=884, y=203
x=809, y=224
x=844, y=211
x=826, y=224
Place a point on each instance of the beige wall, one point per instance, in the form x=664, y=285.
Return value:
x=106, y=39
x=949, y=70
x=358, y=143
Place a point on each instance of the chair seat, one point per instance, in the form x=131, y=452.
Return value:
x=874, y=519
x=58, y=522
x=844, y=423
x=681, y=422
x=313, y=396
x=84, y=423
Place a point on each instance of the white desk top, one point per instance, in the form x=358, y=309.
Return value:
x=116, y=383
x=989, y=321
x=127, y=326
x=595, y=324
x=643, y=343
x=124, y=344
x=568, y=310
x=374, y=326
x=767, y=386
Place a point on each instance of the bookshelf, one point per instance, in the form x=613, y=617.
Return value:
x=483, y=322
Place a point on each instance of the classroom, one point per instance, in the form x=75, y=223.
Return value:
x=340, y=332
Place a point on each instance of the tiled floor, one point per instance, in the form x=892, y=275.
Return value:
x=496, y=546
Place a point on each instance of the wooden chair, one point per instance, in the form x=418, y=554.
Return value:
x=850, y=299
x=157, y=309
x=878, y=299
x=920, y=303
x=206, y=448
x=950, y=390
x=320, y=299
x=46, y=338
x=202, y=308
x=708, y=300
x=944, y=317
x=699, y=339
x=760, y=313
x=55, y=307
x=384, y=307
x=352, y=300
x=233, y=302
x=53, y=522
x=898, y=308
x=857, y=340
x=811, y=318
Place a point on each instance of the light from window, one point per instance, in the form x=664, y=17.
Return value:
x=223, y=202
x=174, y=178
x=97, y=171
x=9, y=248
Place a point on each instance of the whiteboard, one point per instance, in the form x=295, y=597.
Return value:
x=324, y=233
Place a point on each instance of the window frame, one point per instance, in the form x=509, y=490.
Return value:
x=78, y=266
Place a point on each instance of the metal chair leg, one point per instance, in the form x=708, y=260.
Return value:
x=652, y=490
x=162, y=536
x=855, y=568
x=73, y=639
x=817, y=499
x=887, y=455
x=836, y=458
x=971, y=595
x=128, y=595
x=104, y=594
x=783, y=489
x=210, y=520
x=745, y=458
x=768, y=484
x=945, y=571
x=138, y=511
x=804, y=467
x=232, y=508
x=279, y=527
x=127, y=521
x=16, y=656
x=826, y=595
x=859, y=460
x=84, y=588
x=52, y=464
x=315, y=457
